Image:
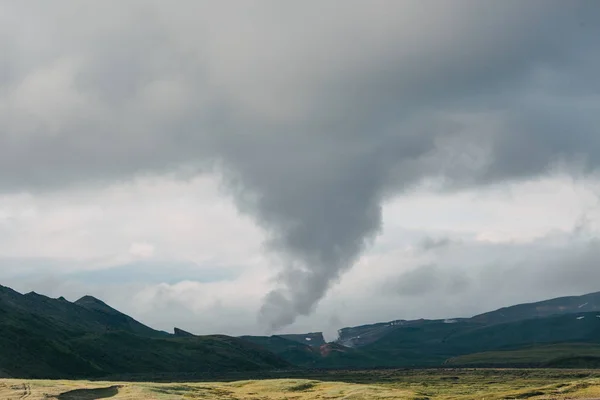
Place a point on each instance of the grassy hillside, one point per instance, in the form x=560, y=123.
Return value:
x=432, y=342
x=314, y=339
x=569, y=328
x=295, y=353
x=52, y=338
x=122, y=352
x=327, y=355
x=423, y=344
x=546, y=355
x=558, y=306
x=364, y=335
x=85, y=315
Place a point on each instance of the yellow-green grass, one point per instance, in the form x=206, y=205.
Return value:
x=350, y=385
x=529, y=355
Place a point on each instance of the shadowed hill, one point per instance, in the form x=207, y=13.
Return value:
x=561, y=305
x=404, y=343
x=537, y=355
x=42, y=337
x=365, y=335
x=53, y=338
x=431, y=343
x=314, y=339
x=327, y=355
x=87, y=314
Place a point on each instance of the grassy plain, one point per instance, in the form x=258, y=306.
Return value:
x=457, y=384
x=550, y=355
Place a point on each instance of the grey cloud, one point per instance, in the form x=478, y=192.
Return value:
x=472, y=278
x=573, y=271
x=312, y=127
x=478, y=277
x=419, y=281
x=429, y=280
x=12, y=267
x=548, y=267
x=431, y=243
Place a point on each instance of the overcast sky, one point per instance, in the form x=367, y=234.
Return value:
x=250, y=167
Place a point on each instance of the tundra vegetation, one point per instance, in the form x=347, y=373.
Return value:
x=432, y=384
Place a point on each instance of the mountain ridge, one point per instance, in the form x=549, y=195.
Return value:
x=49, y=338
x=42, y=337
x=361, y=335
x=430, y=342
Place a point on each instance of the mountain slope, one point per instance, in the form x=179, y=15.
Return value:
x=539, y=355
x=567, y=328
x=314, y=339
x=86, y=314
x=52, y=338
x=364, y=335
x=432, y=342
x=561, y=305
x=327, y=355
x=292, y=351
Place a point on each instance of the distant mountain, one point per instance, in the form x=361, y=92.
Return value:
x=431, y=343
x=364, y=335
x=540, y=309
x=314, y=339
x=325, y=355
x=86, y=314
x=573, y=319
x=567, y=321
x=42, y=337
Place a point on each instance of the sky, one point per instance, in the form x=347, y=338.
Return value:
x=262, y=166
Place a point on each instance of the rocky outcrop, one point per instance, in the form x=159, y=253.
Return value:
x=181, y=333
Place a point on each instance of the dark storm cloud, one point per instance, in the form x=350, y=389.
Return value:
x=314, y=112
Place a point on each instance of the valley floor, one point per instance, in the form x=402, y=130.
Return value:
x=388, y=384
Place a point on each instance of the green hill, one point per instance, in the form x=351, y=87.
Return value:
x=314, y=339
x=53, y=338
x=42, y=337
x=363, y=335
x=491, y=339
x=430, y=343
x=326, y=355
x=87, y=314
x=292, y=351
x=542, y=355
x=546, y=308
x=568, y=328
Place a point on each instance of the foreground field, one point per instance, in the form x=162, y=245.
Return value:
x=356, y=385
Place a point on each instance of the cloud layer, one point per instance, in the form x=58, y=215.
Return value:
x=313, y=114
